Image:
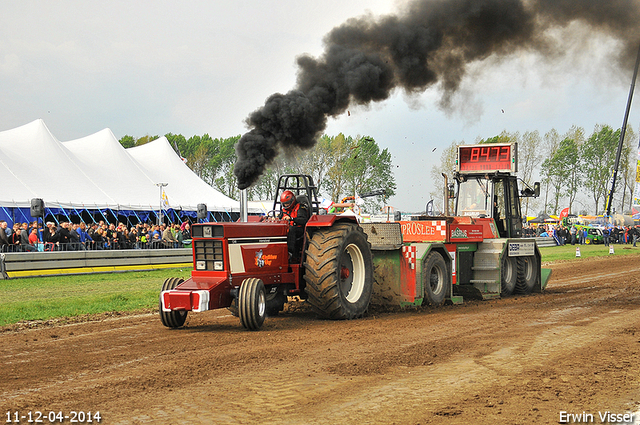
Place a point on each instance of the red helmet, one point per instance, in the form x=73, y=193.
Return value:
x=287, y=199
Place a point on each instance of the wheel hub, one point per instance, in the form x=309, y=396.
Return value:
x=344, y=273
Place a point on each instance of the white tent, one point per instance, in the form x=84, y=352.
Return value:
x=97, y=173
x=115, y=170
x=162, y=165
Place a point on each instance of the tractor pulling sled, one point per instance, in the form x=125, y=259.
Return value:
x=476, y=253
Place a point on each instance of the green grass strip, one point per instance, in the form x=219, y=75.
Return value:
x=568, y=252
x=42, y=298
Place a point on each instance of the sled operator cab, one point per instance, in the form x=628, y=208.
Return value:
x=488, y=187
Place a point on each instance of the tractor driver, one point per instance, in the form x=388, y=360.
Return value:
x=297, y=214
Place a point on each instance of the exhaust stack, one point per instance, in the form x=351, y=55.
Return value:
x=244, y=206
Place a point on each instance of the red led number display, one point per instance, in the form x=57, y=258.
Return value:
x=485, y=158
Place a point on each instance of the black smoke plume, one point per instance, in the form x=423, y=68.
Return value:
x=428, y=42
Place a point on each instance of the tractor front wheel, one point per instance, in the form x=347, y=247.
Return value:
x=172, y=319
x=339, y=271
x=252, y=303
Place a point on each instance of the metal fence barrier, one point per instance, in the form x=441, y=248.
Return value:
x=542, y=242
x=30, y=264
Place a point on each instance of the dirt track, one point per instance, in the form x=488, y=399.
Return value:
x=575, y=348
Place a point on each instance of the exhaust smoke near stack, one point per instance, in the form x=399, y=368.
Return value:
x=429, y=42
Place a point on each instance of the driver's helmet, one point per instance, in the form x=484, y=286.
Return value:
x=287, y=199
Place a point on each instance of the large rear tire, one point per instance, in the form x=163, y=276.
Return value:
x=435, y=279
x=508, y=275
x=527, y=274
x=339, y=271
x=172, y=319
x=252, y=303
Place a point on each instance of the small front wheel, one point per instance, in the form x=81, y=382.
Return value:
x=252, y=303
x=172, y=319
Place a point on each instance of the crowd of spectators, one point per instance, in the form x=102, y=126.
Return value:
x=578, y=235
x=26, y=237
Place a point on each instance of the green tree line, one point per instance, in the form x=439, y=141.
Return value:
x=567, y=165
x=340, y=166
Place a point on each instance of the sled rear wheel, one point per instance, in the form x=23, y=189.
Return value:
x=527, y=274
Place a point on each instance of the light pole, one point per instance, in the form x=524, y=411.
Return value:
x=161, y=186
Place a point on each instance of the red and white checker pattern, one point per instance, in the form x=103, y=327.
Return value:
x=409, y=253
x=441, y=228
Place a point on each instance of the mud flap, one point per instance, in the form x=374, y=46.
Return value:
x=545, y=274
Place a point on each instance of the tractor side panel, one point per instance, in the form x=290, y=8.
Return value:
x=424, y=231
x=258, y=258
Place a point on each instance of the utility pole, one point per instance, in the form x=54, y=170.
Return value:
x=622, y=133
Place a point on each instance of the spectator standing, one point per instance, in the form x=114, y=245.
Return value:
x=4, y=240
x=34, y=240
x=167, y=237
x=186, y=231
x=605, y=236
x=85, y=240
x=143, y=239
x=24, y=239
x=15, y=236
x=74, y=238
x=573, y=233
x=133, y=238
x=64, y=237
x=92, y=230
x=177, y=234
x=99, y=239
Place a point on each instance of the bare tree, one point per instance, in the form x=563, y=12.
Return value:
x=447, y=166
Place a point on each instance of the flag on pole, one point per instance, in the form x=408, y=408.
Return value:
x=165, y=200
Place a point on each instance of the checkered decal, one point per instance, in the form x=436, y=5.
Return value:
x=441, y=228
x=409, y=253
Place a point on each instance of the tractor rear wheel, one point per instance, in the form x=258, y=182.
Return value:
x=339, y=271
x=435, y=279
x=252, y=303
x=172, y=319
x=527, y=274
x=508, y=275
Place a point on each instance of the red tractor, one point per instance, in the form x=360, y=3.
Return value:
x=245, y=266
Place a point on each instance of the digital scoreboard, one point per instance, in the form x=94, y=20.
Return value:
x=487, y=158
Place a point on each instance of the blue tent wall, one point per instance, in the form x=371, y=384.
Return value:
x=15, y=214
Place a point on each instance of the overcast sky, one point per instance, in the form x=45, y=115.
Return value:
x=195, y=67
